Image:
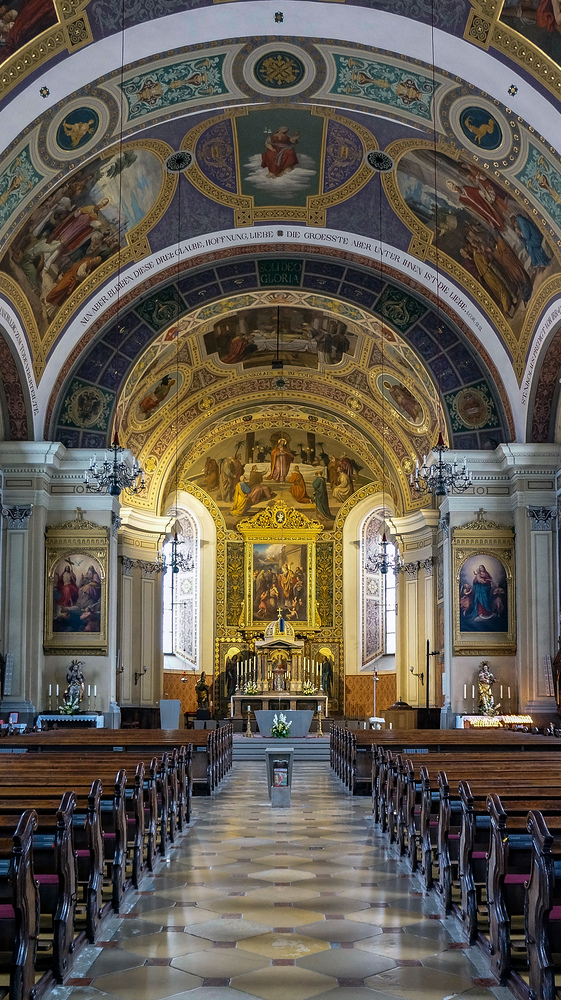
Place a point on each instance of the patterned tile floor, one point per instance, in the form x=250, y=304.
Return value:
x=281, y=905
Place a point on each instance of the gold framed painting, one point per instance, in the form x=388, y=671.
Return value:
x=76, y=580
x=483, y=594
x=280, y=568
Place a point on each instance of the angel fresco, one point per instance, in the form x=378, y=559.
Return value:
x=480, y=226
x=80, y=226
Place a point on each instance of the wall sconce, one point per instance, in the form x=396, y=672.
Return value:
x=421, y=675
x=139, y=674
x=184, y=677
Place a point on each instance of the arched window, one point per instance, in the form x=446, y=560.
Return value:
x=378, y=593
x=181, y=595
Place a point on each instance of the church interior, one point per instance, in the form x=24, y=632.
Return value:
x=280, y=435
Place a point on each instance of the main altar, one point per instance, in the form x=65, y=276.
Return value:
x=278, y=676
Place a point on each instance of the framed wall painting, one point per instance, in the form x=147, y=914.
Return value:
x=483, y=592
x=280, y=567
x=76, y=563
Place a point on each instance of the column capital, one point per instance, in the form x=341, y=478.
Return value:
x=444, y=525
x=541, y=517
x=411, y=568
x=17, y=517
x=116, y=523
x=427, y=565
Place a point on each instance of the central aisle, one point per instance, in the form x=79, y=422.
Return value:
x=281, y=905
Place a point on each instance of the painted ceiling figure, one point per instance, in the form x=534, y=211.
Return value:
x=281, y=458
x=19, y=27
x=156, y=396
x=279, y=156
x=298, y=486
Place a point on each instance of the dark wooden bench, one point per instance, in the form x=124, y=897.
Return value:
x=19, y=906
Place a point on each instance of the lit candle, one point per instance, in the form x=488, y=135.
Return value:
x=465, y=691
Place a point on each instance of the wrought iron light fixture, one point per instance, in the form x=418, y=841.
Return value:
x=441, y=477
x=180, y=562
x=380, y=562
x=114, y=475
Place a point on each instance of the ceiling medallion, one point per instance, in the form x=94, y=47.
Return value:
x=279, y=70
x=178, y=161
x=380, y=161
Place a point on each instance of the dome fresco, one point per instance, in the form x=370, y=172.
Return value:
x=401, y=223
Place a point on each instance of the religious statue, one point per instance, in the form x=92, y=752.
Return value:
x=202, y=691
x=485, y=701
x=327, y=676
x=74, y=692
x=279, y=675
x=231, y=675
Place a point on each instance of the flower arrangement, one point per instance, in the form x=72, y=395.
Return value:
x=280, y=728
x=70, y=705
x=308, y=688
x=251, y=688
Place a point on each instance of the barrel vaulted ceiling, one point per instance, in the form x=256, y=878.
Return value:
x=386, y=175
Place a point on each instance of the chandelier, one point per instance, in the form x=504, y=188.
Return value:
x=380, y=562
x=441, y=477
x=180, y=562
x=114, y=475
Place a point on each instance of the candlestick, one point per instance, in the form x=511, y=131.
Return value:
x=248, y=730
x=465, y=691
x=508, y=690
x=57, y=690
x=50, y=690
x=89, y=690
x=501, y=690
x=95, y=690
x=473, y=691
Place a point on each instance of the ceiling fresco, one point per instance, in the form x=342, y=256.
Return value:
x=278, y=130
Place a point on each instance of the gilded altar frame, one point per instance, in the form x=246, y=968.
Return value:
x=493, y=544
x=69, y=543
x=280, y=525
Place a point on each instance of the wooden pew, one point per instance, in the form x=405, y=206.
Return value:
x=19, y=906
x=543, y=904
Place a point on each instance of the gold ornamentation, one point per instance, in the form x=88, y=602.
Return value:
x=279, y=517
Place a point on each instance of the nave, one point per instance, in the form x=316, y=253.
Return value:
x=281, y=905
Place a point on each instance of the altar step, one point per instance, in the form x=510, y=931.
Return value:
x=312, y=749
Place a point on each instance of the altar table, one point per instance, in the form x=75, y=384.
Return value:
x=277, y=701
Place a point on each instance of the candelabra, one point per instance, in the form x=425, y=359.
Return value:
x=113, y=475
x=441, y=477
